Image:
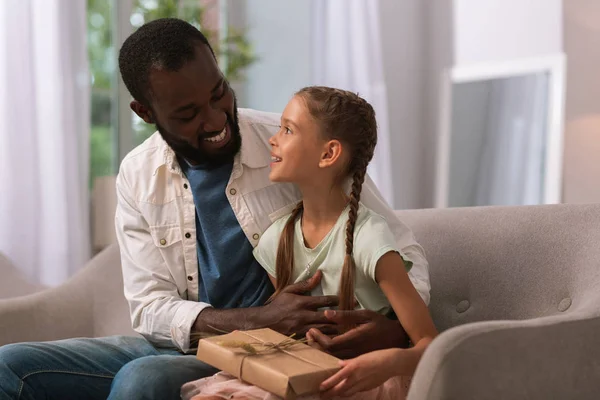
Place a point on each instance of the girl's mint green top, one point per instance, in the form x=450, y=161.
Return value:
x=372, y=239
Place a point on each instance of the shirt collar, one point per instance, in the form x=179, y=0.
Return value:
x=255, y=151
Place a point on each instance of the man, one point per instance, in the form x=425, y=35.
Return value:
x=193, y=201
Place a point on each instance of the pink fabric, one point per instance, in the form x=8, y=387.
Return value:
x=226, y=386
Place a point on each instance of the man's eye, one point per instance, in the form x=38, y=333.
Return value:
x=188, y=119
x=221, y=93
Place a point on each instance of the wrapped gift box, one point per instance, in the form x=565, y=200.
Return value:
x=269, y=360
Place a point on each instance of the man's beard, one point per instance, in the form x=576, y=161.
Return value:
x=199, y=156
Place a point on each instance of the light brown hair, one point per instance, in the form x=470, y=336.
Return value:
x=343, y=116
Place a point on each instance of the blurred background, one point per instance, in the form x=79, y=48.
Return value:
x=479, y=102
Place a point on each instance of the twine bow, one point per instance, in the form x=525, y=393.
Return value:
x=269, y=347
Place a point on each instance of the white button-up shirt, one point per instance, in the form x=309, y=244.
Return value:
x=156, y=227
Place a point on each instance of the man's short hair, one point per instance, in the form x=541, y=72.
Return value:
x=166, y=43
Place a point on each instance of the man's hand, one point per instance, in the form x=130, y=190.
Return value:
x=293, y=312
x=374, y=332
x=288, y=313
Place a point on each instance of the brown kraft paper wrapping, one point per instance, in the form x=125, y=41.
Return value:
x=290, y=370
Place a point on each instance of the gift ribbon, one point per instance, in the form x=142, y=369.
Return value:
x=273, y=346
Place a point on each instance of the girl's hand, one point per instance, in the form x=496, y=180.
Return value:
x=360, y=374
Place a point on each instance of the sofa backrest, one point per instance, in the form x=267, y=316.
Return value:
x=13, y=282
x=494, y=263
x=485, y=263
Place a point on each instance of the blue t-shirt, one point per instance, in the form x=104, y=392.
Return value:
x=229, y=276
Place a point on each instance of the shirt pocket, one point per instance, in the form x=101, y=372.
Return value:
x=169, y=241
x=166, y=236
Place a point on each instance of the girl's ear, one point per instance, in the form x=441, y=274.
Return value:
x=332, y=152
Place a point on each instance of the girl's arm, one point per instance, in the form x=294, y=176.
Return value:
x=373, y=369
x=409, y=308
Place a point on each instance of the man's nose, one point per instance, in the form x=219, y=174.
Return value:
x=214, y=120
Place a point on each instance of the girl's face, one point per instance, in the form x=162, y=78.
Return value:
x=297, y=148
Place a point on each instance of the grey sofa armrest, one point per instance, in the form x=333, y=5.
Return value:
x=57, y=313
x=546, y=358
x=90, y=304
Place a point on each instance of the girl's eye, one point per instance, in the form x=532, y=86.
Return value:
x=285, y=129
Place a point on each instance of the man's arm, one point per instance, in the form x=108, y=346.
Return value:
x=160, y=314
x=157, y=310
x=373, y=332
x=290, y=312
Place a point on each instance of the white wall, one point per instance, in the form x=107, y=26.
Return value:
x=582, y=128
x=420, y=39
x=404, y=57
x=493, y=30
x=280, y=34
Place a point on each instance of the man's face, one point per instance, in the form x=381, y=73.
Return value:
x=194, y=110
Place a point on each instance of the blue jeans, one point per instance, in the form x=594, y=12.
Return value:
x=115, y=368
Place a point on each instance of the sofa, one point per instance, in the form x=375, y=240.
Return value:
x=515, y=295
x=13, y=283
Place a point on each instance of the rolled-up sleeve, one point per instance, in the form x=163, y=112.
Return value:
x=409, y=248
x=157, y=310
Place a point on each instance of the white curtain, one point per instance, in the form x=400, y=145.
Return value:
x=44, y=137
x=511, y=170
x=347, y=55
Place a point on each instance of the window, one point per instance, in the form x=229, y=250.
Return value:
x=115, y=129
x=103, y=67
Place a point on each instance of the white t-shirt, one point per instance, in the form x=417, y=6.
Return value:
x=372, y=239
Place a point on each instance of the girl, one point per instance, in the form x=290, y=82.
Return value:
x=328, y=136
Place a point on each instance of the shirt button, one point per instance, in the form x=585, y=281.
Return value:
x=190, y=278
x=185, y=185
x=255, y=236
x=232, y=191
x=187, y=235
x=163, y=242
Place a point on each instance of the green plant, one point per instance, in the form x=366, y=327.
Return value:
x=234, y=51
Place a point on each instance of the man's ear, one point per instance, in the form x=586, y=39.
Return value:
x=332, y=151
x=142, y=111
